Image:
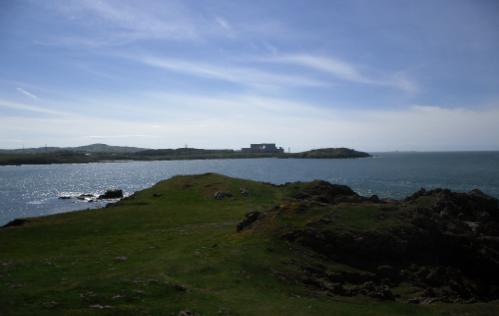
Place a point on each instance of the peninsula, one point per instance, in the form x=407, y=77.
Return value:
x=213, y=245
x=103, y=152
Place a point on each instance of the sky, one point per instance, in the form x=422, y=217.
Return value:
x=370, y=75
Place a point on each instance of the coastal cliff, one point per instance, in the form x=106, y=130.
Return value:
x=213, y=245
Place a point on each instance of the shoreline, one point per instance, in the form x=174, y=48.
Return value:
x=175, y=159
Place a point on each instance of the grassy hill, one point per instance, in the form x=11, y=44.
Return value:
x=331, y=152
x=93, y=148
x=188, y=243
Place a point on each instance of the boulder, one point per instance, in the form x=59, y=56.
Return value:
x=111, y=194
x=85, y=196
x=221, y=195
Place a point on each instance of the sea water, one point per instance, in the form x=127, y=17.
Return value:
x=33, y=190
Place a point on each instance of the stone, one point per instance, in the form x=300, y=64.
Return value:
x=221, y=195
x=111, y=194
x=249, y=219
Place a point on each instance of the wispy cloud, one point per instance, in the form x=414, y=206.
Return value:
x=31, y=108
x=114, y=23
x=140, y=22
x=223, y=23
x=343, y=70
x=118, y=23
x=226, y=26
x=230, y=73
x=121, y=136
x=27, y=93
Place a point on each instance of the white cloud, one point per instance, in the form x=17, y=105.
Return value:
x=31, y=108
x=27, y=93
x=234, y=74
x=121, y=22
x=223, y=23
x=342, y=70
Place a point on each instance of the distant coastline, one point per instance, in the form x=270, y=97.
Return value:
x=106, y=153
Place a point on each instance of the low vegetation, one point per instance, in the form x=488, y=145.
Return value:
x=101, y=152
x=213, y=245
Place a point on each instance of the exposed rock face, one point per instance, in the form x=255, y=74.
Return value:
x=249, y=219
x=111, y=194
x=326, y=192
x=445, y=244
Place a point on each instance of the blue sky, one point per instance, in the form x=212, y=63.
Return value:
x=372, y=75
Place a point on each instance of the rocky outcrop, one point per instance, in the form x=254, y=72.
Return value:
x=323, y=191
x=444, y=244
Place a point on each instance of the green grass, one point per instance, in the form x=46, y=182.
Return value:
x=182, y=252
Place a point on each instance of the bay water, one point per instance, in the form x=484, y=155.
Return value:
x=33, y=190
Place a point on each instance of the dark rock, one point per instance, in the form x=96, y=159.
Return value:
x=111, y=194
x=248, y=220
x=64, y=197
x=16, y=222
x=243, y=191
x=179, y=288
x=445, y=240
x=221, y=195
x=444, y=244
x=156, y=195
x=323, y=191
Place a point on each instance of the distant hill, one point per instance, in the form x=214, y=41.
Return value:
x=103, y=148
x=331, y=153
x=103, y=152
x=93, y=148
